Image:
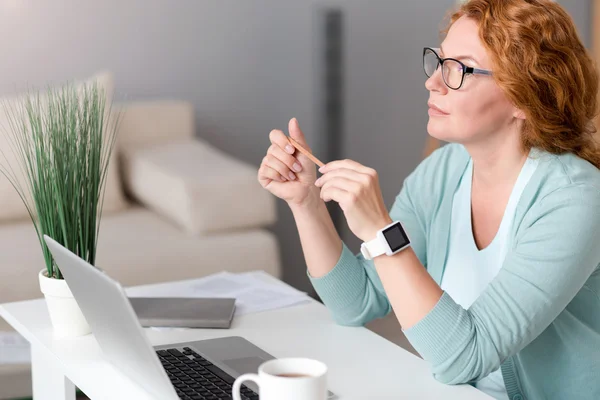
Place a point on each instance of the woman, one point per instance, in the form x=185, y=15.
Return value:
x=500, y=286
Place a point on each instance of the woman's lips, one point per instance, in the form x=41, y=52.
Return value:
x=434, y=110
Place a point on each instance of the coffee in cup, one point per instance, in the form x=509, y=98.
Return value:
x=289, y=379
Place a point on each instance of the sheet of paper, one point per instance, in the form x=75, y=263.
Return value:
x=252, y=293
x=262, y=299
x=14, y=349
x=260, y=277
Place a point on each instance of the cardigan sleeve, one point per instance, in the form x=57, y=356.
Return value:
x=352, y=290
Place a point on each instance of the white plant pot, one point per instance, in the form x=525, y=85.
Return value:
x=65, y=314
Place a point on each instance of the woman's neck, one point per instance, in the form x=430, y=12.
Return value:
x=497, y=163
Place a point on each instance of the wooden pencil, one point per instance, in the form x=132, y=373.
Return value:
x=304, y=151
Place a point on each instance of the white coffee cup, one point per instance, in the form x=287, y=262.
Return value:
x=289, y=379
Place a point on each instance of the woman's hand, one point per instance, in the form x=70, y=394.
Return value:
x=356, y=189
x=287, y=173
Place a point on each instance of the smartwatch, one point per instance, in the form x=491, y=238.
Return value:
x=390, y=240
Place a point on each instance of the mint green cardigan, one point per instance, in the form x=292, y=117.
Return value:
x=539, y=319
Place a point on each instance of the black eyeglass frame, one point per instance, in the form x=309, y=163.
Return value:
x=466, y=69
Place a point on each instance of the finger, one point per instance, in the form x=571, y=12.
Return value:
x=349, y=164
x=279, y=166
x=266, y=173
x=278, y=138
x=343, y=173
x=297, y=134
x=345, y=184
x=336, y=194
x=289, y=160
x=262, y=179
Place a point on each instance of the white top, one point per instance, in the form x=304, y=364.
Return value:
x=469, y=270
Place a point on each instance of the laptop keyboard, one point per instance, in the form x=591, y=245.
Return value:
x=196, y=378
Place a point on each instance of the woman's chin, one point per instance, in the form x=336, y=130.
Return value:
x=438, y=131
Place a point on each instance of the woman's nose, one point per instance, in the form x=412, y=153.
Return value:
x=435, y=82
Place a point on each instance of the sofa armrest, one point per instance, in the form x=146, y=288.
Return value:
x=198, y=187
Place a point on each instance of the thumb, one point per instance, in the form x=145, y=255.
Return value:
x=296, y=133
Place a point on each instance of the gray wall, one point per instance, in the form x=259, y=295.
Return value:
x=387, y=100
x=248, y=67
x=581, y=12
x=245, y=65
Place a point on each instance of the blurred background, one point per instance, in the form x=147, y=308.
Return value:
x=248, y=67
x=350, y=71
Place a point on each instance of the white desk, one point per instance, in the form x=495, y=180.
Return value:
x=362, y=365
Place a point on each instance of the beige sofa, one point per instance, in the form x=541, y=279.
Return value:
x=188, y=210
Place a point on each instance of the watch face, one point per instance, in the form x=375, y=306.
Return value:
x=396, y=237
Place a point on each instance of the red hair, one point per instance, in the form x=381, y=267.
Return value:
x=543, y=68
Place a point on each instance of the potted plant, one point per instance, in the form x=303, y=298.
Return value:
x=61, y=144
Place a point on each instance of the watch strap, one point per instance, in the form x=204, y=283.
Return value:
x=372, y=248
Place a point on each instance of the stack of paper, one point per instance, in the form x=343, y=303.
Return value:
x=14, y=349
x=252, y=292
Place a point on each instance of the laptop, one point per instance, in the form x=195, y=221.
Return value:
x=203, y=369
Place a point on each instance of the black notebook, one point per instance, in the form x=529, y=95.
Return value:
x=184, y=312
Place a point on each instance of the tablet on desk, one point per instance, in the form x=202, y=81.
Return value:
x=184, y=312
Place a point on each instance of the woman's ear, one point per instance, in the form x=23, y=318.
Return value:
x=519, y=114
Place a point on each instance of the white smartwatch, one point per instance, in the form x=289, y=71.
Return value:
x=389, y=241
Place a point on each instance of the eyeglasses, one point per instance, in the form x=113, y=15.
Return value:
x=453, y=71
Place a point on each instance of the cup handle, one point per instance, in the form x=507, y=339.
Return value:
x=235, y=391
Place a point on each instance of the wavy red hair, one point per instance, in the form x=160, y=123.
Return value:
x=539, y=62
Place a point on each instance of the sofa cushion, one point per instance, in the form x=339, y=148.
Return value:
x=155, y=121
x=198, y=187
x=12, y=205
